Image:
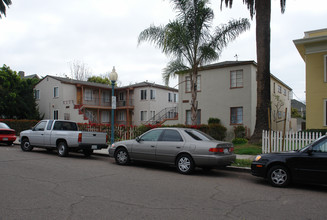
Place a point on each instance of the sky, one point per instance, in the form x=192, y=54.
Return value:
x=45, y=37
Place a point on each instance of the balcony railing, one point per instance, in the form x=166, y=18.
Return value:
x=107, y=102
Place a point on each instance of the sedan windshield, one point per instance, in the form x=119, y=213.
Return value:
x=198, y=135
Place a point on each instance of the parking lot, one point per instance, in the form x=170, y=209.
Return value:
x=41, y=185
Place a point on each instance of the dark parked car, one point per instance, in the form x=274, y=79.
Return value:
x=183, y=147
x=7, y=135
x=308, y=165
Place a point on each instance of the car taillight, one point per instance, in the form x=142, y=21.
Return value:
x=216, y=150
x=107, y=138
x=79, y=137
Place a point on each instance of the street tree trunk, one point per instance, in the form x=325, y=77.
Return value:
x=194, y=103
x=263, y=14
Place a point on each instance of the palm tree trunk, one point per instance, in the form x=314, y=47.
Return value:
x=263, y=14
x=194, y=104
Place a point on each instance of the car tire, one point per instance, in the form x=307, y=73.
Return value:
x=87, y=152
x=122, y=157
x=279, y=176
x=25, y=145
x=62, y=149
x=185, y=164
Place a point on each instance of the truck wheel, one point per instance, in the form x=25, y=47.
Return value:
x=62, y=149
x=87, y=152
x=121, y=156
x=26, y=145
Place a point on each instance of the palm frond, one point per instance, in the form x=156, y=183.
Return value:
x=3, y=4
x=172, y=68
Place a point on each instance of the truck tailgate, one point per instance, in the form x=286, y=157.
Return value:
x=94, y=138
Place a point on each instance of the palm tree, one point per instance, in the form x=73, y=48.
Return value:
x=3, y=6
x=189, y=42
x=262, y=10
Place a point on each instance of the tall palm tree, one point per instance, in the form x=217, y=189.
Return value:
x=3, y=4
x=189, y=42
x=262, y=10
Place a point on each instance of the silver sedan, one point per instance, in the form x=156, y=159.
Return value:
x=183, y=147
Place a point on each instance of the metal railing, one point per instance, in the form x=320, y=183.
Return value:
x=166, y=113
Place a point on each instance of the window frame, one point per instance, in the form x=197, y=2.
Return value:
x=188, y=88
x=56, y=113
x=325, y=113
x=325, y=68
x=237, y=85
x=170, y=97
x=88, y=95
x=143, y=94
x=55, y=94
x=143, y=117
x=152, y=94
x=231, y=115
x=37, y=94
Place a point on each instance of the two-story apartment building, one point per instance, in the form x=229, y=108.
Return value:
x=82, y=101
x=228, y=91
x=313, y=50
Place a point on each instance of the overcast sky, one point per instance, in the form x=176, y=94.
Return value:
x=42, y=37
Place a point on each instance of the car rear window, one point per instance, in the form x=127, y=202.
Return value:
x=198, y=135
x=65, y=126
x=3, y=125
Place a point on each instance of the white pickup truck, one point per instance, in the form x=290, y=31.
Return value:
x=63, y=136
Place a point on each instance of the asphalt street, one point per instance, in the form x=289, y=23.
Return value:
x=41, y=185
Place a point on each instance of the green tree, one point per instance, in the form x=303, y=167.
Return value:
x=3, y=4
x=189, y=41
x=99, y=79
x=17, y=96
x=262, y=10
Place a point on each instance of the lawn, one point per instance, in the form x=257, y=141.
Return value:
x=242, y=163
x=249, y=149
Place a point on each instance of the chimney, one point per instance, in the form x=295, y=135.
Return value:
x=21, y=74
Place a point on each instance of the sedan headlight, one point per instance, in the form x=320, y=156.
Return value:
x=257, y=158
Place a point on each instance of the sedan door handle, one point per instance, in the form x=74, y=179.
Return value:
x=178, y=147
x=152, y=146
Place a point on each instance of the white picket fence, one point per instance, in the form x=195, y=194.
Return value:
x=292, y=140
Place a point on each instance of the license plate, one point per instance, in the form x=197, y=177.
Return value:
x=226, y=150
x=5, y=139
x=94, y=147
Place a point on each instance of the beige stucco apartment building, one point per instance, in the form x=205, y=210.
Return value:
x=228, y=91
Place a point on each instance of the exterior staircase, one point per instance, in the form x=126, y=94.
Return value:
x=170, y=113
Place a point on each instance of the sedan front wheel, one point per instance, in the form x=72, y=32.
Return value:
x=279, y=176
x=122, y=157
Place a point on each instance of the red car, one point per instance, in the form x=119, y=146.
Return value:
x=7, y=135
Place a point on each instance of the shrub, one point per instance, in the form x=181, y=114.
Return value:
x=217, y=131
x=239, y=141
x=239, y=131
x=213, y=121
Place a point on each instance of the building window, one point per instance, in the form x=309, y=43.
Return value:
x=325, y=68
x=236, y=79
x=37, y=94
x=279, y=89
x=105, y=116
x=55, y=114
x=66, y=116
x=121, y=116
x=170, y=97
x=144, y=115
x=188, y=83
x=189, y=117
x=284, y=92
x=55, y=92
x=143, y=94
x=88, y=95
x=121, y=96
x=325, y=112
x=236, y=115
x=175, y=98
x=106, y=96
x=152, y=94
x=274, y=87
x=152, y=114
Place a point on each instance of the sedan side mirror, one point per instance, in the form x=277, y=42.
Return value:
x=138, y=139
